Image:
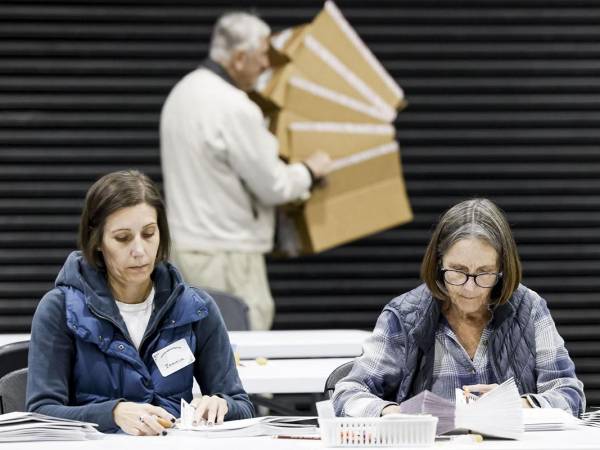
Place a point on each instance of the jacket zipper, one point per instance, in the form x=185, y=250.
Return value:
x=148, y=331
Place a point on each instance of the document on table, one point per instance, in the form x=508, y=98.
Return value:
x=548, y=419
x=25, y=426
x=257, y=426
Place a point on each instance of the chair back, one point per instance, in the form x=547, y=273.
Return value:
x=233, y=310
x=335, y=376
x=13, y=390
x=13, y=356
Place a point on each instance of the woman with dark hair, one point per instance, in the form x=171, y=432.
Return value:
x=470, y=325
x=120, y=338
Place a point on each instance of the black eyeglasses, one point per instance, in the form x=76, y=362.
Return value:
x=458, y=278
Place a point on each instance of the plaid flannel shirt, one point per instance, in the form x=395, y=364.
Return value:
x=356, y=395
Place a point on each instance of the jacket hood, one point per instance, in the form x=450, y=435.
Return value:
x=79, y=275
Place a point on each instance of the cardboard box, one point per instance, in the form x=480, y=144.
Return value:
x=321, y=66
x=332, y=30
x=299, y=137
x=359, y=200
x=287, y=88
x=331, y=53
x=330, y=93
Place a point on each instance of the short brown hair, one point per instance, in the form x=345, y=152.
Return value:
x=477, y=218
x=110, y=193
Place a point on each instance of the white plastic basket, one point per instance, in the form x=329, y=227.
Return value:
x=402, y=430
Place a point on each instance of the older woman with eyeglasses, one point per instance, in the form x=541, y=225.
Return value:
x=471, y=325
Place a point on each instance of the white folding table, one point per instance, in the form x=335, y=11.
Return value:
x=293, y=344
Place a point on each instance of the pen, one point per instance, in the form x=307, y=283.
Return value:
x=284, y=436
x=469, y=397
x=164, y=422
x=462, y=438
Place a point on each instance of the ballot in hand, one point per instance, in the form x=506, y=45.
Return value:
x=473, y=391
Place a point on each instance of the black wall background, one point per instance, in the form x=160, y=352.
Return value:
x=504, y=103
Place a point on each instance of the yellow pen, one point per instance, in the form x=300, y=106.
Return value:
x=164, y=422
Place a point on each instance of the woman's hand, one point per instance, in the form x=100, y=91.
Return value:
x=141, y=419
x=391, y=409
x=209, y=408
x=481, y=389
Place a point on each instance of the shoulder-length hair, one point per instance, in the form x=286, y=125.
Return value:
x=477, y=218
x=110, y=193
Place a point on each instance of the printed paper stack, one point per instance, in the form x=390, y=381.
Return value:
x=498, y=413
x=330, y=93
x=256, y=426
x=23, y=426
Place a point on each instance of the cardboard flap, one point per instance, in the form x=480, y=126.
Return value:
x=272, y=84
x=287, y=41
x=332, y=30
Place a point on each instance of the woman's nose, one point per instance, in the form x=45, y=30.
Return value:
x=137, y=249
x=470, y=285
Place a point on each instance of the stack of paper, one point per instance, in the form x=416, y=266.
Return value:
x=257, y=426
x=428, y=403
x=21, y=426
x=548, y=419
x=498, y=413
x=591, y=418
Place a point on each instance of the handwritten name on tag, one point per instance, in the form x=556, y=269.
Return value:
x=173, y=357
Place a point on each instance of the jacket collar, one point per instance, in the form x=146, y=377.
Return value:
x=429, y=310
x=428, y=318
x=78, y=274
x=508, y=310
x=217, y=69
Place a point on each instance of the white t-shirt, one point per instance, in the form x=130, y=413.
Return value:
x=136, y=317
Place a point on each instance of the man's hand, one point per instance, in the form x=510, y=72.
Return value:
x=140, y=419
x=319, y=163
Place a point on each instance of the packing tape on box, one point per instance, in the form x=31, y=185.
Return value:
x=342, y=127
x=335, y=97
x=337, y=16
x=365, y=155
x=312, y=44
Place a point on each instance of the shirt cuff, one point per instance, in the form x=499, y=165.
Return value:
x=532, y=400
x=385, y=405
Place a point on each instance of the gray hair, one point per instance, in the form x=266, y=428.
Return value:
x=476, y=218
x=236, y=31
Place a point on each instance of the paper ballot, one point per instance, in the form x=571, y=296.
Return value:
x=24, y=426
x=497, y=413
x=257, y=426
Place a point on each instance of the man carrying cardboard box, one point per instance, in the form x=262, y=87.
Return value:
x=221, y=169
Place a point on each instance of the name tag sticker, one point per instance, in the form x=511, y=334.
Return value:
x=173, y=357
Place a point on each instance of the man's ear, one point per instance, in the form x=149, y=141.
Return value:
x=238, y=59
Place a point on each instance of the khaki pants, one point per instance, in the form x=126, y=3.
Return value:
x=241, y=274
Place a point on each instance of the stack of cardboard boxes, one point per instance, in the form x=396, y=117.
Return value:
x=326, y=91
